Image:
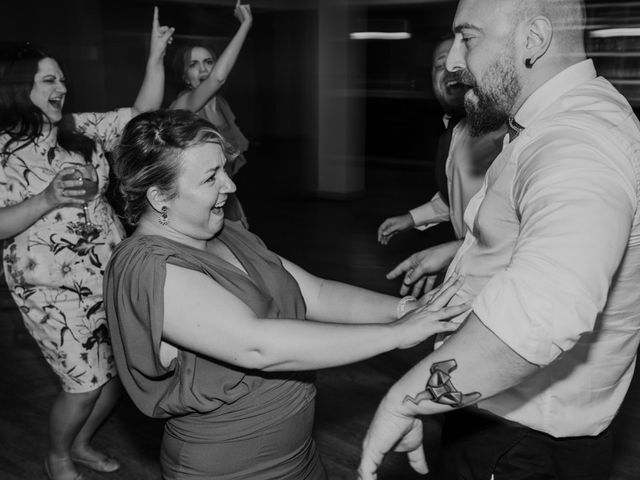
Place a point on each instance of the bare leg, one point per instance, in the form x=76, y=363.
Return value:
x=66, y=419
x=81, y=447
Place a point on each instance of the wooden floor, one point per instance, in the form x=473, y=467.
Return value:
x=335, y=239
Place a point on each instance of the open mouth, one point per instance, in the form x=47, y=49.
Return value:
x=57, y=103
x=217, y=208
x=456, y=86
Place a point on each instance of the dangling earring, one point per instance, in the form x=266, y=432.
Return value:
x=528, y=63
x=163, y=216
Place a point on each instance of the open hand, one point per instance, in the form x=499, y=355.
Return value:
x=391, y=431
x=421, y=268
x=393, y=225
x=431, y=314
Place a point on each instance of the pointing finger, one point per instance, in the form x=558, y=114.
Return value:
x=401, y=268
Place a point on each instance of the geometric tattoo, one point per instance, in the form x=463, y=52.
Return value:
x=439, y=388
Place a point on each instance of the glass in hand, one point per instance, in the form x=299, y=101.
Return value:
x=89, y=177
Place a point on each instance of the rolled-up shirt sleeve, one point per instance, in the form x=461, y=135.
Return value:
x=433, y=212
x=576, y=202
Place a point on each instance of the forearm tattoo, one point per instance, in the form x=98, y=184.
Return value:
x=439, y=388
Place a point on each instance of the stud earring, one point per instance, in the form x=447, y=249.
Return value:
x=163, y=216
x=528, y=63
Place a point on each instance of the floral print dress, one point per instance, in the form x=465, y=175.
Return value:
x=54, y=269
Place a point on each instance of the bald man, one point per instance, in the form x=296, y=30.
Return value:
x=550, y=262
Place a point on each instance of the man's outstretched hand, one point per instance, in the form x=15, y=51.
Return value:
x=421, y=269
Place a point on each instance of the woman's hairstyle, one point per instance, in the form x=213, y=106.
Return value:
x=183, y=57
x=150, y=153
x=19, y=117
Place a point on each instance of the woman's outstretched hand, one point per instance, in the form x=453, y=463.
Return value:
x=431, y=314
x=243, y=13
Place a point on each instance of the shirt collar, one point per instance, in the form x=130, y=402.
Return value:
x=553, y=89
x=448, y=118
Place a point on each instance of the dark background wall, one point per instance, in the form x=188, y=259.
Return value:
x=274, y=88
x=382, y=88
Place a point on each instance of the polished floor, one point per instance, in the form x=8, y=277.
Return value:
x=331, y=238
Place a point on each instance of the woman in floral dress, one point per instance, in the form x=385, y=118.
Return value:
x=54, y=256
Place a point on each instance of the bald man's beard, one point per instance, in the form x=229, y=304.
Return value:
x=489, y=102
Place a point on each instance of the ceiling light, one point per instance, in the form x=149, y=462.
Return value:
x=615, y=32
x=379, y=35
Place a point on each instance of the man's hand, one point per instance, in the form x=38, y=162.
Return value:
x=421, y=268
x=388, y=431
x=393, y=225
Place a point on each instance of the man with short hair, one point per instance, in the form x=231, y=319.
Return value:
x=460, y=164
x=449, y=93
x=551, y=261
x=460, y=160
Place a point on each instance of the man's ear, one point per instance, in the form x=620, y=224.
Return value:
x=539, y=35
x=156, y=198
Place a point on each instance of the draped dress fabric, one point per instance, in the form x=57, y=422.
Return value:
x=54, y=268
x=223, y=422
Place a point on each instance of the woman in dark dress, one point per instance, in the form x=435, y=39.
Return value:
x=216, y=333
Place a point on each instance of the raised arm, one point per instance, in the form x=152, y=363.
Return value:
x=15, y=219
x=221, y=326
x=152, y=88
x=194, y=100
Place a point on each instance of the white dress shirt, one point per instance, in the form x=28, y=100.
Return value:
x=552, y=254
x=467, y=161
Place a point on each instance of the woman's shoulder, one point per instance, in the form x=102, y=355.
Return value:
x=144, y=245
x=137, y=253
x=180, y=101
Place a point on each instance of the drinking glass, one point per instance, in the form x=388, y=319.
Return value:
x=89, y=177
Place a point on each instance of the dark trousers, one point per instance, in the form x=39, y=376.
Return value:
x=475, y=446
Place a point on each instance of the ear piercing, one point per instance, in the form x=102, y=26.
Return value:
x=163, y=216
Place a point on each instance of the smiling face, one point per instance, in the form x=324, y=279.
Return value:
x=49, y=89
x=449, y=91
x=198, y=66
x=485, y=55
x=202, y=186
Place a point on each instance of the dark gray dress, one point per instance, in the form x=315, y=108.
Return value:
x=224, y=422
